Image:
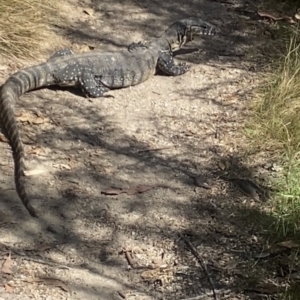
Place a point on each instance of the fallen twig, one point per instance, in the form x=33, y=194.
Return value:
x=41, y=261
x=224, y=1
x=275, y=18
x=154, y=149
x=202, y=264
x=121, y=294
x=129, y=259
x=50, y=281
x=203, y=296
x=132, y=190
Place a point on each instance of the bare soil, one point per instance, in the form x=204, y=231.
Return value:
x=179, y=136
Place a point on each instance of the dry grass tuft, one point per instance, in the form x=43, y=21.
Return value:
x=277, y=126
x=25, y=26
x=278, y=103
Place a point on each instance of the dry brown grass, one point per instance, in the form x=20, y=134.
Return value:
x=278, y=106
x=275, y=128
x=25, y=26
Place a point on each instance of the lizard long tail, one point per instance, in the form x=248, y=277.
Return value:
x=10, y=92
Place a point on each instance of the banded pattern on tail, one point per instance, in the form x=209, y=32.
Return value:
x=11, y=131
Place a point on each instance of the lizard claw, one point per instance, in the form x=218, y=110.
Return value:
x=184, y=66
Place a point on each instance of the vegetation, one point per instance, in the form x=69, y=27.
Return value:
x=24, y=26
x=277, y=123
x=275, y=129
x=275, y=126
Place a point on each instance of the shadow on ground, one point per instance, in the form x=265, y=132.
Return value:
x=114, y=25
x=198, y=202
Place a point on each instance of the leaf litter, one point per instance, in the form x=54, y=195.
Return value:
x=51, y=281
x=138, y=189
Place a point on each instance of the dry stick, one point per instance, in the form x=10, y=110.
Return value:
x=210, y=294
x=224, y=1
x=129, y=259
x=274, y=18
x=202, y=264
x=154, y=149
x=121, y=294
x=45, y=262
x=41, y=261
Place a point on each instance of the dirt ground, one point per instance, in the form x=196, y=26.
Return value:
x=183, y=229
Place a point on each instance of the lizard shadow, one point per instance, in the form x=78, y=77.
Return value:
x=184, y=51
x=73, y=90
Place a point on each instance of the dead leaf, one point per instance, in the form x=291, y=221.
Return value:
x=9, y=289
x=139, y=189
x=7, y=265
x=275, y=18
x=128, y=255
x=202, y=182
x=113, y=191
x=247, y=187
x=230, y=99
x=43, y=247
x=231, y=265
x=81, y=48
x=223, y=165
x=261, y=255
x=62, y=166
x=30, y=139
x=88, y=11
x=121, y=294
x=36, y=151
x=132, y=190
x=3, y=138
x=265, y=288
x=3, y=217
x=32, y=118
x=52, y=281
x=154, y=149
x=288, y=244
x=162, y=275
x=33, y=172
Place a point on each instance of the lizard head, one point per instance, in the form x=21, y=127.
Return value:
x=187, y=28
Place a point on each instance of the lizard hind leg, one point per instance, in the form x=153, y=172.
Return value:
x=77, y=75
x=91, y=85
x=167, y=65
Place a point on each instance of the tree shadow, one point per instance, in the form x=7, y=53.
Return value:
x=227, y=228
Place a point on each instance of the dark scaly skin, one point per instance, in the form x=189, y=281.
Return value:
x=10, y=129
x=95, y=72
x=177, y=35
x=45, y=75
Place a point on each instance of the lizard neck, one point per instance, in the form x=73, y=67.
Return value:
x=165, y=43
x=173, y=39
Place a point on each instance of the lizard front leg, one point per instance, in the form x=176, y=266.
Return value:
x=91, y=85
x=167, y=65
